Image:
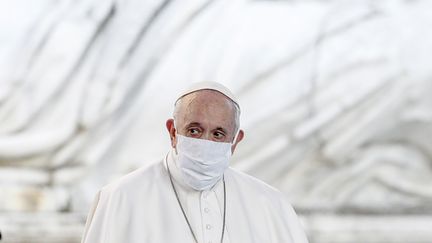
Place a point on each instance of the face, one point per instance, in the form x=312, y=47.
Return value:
x=205, y=114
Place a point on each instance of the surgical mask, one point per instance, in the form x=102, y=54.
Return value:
x=202, y=162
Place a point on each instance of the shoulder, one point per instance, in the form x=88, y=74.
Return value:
x=253, y=186
x=143, y=178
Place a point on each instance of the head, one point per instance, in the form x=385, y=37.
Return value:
x=206, y=114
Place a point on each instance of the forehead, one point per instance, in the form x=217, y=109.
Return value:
x=208, y=108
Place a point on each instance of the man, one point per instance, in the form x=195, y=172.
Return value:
x=192, y=196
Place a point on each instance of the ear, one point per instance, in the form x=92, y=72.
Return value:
x=240, y=137
x=172, y=131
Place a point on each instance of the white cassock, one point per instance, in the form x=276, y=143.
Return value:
x=142, y=207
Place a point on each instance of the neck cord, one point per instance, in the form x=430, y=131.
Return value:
x=184, y=214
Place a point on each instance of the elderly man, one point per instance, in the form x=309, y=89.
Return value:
x=192, y=196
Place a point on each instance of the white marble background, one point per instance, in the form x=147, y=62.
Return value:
x=336, y=105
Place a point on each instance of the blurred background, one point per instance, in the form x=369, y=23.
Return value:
x=336, y=100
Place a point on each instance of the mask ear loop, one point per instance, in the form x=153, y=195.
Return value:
x=175, y=127
x=235, y=137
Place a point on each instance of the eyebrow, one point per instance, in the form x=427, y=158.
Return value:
x=194, y=124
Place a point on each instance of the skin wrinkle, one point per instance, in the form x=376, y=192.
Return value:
x=188, y=97
x=196, y=100
x=211, y=112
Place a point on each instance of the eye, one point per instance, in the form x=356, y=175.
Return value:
x=194, y=131
x=219, y=135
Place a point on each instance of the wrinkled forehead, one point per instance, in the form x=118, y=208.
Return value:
x=205, y=99
x=206, y=106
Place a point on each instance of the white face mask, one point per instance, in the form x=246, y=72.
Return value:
x=202, y=162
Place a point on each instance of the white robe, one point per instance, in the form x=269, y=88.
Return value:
x=141, y=207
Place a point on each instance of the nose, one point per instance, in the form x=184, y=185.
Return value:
x=207, y=136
